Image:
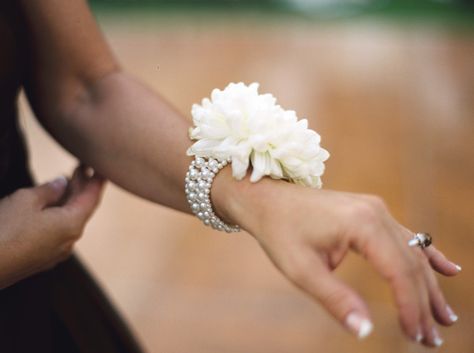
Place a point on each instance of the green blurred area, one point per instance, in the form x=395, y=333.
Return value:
x=454, y=11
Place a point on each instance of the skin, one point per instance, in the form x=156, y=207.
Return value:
x=115, y=124
x=53, y=217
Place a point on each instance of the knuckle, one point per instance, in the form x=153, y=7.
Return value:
x=298, y=272
x=362, y=211
x=337, y=299
x=74, y=227
x=75, y=231
x=66, y=251
x=376, y=201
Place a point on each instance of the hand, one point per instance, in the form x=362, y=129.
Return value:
x=308, y=232
x=39, y=225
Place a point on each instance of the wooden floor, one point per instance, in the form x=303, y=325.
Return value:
x=395, y=107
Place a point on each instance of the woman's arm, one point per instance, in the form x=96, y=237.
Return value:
x=133, y=137
x=97, y=112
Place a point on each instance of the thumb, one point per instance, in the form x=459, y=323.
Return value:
x=86, y=192
x=50, y=193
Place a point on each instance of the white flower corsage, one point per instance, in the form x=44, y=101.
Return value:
x=246, y=127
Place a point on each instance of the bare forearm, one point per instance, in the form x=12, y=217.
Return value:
x=130, y=135
x=101, y=115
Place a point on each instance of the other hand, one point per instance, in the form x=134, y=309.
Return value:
x=39, y=225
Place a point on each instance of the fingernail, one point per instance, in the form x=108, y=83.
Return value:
x=419, y=336
x=59, y=183
x=360, y=325
x=459, y=268
x=437, y=340
x=452, y=316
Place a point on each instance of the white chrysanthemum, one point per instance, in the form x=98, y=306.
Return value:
x=249, y=127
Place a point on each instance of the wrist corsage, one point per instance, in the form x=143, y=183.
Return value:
x=240, y=127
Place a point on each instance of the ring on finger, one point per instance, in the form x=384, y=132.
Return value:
x=422, y=240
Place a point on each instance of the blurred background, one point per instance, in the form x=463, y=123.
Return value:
x=390, y=87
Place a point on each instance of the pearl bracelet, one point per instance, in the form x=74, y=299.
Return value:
x=198, y=183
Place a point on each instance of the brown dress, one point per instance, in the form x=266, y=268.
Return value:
x=62, y=310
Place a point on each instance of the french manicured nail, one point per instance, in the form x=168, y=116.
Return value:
x=452, y=315
x=59, y=183
x=358, y=324
x=419, y=336
x=437, y=340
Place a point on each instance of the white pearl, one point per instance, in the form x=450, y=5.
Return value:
x=199, y=161
x=198, y=183
x=193, y=174
x=205, y=173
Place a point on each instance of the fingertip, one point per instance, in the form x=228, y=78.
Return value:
x=453, y=317
x=359, y=324
x=59, y=183
x=50, y=193
x=440, y=263
x=433, y=338
x=447, y=269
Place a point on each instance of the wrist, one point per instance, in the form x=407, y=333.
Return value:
x=238, y=201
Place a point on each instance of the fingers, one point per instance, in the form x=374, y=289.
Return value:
x=340, y=300
x=440, y=263
x=442, y=312
x=403, y=270
x=376, y=238
x=417, y=294
x=85, y=194
x=437, y=259
x=49, y=194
